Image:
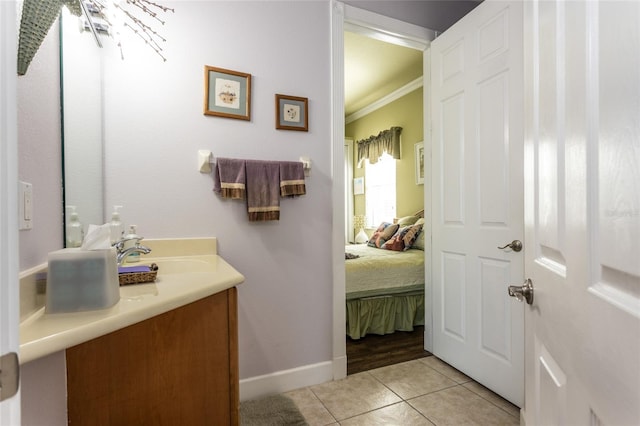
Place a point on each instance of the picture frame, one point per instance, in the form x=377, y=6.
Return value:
x=358, y=186
x=419, y=159
x=227, y=93
x=292, y=113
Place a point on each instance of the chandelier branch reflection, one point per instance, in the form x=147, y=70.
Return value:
x=130, y=14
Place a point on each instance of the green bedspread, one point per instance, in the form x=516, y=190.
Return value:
x=384, y=290
x=381, y=272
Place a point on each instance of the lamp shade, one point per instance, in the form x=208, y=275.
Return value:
x=361, y=237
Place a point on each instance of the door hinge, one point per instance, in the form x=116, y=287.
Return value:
x=9, y=375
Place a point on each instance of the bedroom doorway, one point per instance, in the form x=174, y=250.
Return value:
x=373, y=350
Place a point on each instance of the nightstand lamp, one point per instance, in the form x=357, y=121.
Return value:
x=358, y=224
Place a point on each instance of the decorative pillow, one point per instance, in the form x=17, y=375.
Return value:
x=407, y=220
x=419, y=242
x=403, y=239
x=411, y=236
x=385, y=231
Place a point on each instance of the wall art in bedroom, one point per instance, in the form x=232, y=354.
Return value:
x=292, y=113
x=358, y=186
x=227, y=93
x=419, y=156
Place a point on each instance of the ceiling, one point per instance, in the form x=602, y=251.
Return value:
x=374, y=68
x=437, y=15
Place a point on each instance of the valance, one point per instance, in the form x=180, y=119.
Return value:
x=373, y=147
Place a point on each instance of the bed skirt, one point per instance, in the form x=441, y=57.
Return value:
x=384, y=314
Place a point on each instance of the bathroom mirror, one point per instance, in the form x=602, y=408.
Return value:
x=81, y=90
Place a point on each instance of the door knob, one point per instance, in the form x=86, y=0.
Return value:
x=515, y=245
x=523, y=292
x=9, y=375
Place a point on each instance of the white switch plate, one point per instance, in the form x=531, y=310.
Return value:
x=25, y=205
x=204, y=161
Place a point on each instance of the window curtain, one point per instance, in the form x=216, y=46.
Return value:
x=373, y=147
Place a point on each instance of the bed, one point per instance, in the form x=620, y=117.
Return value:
x=385, y=287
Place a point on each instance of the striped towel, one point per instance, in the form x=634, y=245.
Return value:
x=229, y=178
x=263, y=198
x=292, y=179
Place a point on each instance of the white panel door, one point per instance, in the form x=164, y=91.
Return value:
x=477, y=157
x=582, y=203
x=9, y=303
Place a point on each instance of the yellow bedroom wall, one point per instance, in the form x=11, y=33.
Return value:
x=405, y=112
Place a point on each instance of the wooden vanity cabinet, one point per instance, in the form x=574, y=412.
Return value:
x=177, y=368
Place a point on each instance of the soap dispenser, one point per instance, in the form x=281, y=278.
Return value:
x=75, y=233
x=130, y=240
x=116, y=227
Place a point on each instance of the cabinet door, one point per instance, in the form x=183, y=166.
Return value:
x=176, y=368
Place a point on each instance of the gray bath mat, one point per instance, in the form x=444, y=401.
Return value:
x=272, y=410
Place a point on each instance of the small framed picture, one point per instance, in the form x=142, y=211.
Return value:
x=358, y=186
x=292, y=113
x=227, y=93
x=419, y=154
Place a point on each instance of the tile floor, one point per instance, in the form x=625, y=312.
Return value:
x=425, y=391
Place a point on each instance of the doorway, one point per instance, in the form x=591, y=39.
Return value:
x=391, y=31
x=383, y=90
x=492, y=31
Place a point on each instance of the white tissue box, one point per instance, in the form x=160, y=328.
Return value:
x=81, y=280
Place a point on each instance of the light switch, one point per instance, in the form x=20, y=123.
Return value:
x=25, y=205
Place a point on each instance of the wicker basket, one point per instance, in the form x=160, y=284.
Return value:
x=139, y=277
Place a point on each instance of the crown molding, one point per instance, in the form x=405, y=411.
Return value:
x=385, y=100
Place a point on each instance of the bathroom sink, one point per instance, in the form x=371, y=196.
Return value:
x=182, y=265
x=188, y=270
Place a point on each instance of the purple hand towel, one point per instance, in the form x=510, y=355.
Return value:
x=292, y=179
x=263, y=190
x=230, y=178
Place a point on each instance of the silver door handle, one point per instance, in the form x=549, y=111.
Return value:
x=523, y=292
x=9, y=375
x=515, y=245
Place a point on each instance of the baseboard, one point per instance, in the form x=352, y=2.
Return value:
x=287, y=380
x=340, y=367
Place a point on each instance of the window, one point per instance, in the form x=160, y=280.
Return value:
x=380, y=190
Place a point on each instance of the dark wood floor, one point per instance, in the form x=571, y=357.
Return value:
x=373, y=351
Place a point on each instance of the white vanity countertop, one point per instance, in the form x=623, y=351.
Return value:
x=182, y=279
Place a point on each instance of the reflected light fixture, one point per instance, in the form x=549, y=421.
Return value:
x=108, y=17
x=114, y=17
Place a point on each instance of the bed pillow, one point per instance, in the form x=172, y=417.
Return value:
x=385, y=231
x=404, y=238
x=419, y=242
x=407, y=220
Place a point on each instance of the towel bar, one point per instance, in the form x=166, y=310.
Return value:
x=206, y=159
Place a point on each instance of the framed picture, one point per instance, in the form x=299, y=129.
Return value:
x=292, y=113
x=358, y=186
x=419, y=154
x=227, y=93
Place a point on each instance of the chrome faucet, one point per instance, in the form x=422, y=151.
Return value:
x=123, y=253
